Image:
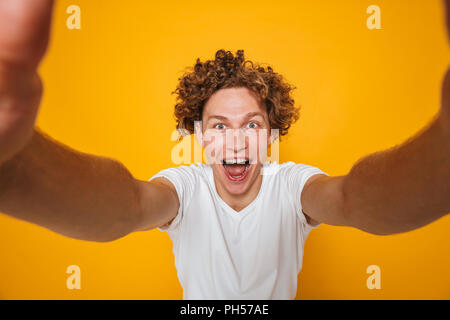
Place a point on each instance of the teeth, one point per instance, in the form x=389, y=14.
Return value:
x=233, y=161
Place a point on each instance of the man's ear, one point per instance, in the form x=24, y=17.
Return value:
x=198, y=132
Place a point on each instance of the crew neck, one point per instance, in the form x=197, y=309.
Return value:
x=225, y=205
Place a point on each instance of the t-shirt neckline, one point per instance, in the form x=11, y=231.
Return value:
x=225, y=205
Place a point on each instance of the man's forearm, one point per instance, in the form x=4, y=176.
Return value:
x=72, y=193
x=403, y=188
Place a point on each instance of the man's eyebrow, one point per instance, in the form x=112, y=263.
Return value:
x=247, y=116
x=253, y=114
x=217, y=117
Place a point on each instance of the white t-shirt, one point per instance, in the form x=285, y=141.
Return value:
x=255, y=253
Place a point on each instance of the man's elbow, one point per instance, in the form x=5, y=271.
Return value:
x=377, y=223
x=366, y=219
x=379, y=231
x=96, y=234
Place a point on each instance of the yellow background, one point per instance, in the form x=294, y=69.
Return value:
x=107, y=92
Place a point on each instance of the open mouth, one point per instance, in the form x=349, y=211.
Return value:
x=236, y=169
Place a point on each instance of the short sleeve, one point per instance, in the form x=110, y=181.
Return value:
x=296, y=175
x=183, y=179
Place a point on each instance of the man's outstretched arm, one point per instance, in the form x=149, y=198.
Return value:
x=72, y=193
x=80, y=195
x=408, y=186
x=44, y=182
x=391, y=191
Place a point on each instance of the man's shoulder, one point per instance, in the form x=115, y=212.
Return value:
x=193, y=168
x=289, y=173
x=272, y=168
x=191, y=172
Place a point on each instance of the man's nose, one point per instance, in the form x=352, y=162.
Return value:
x=236, y=141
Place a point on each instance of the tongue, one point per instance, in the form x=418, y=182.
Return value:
x=235, y=169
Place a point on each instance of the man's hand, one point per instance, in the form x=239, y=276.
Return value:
x=24, y=34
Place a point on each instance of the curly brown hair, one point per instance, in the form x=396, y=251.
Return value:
x=199, y=83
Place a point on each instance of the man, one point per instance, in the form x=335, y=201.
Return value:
x=238, y=225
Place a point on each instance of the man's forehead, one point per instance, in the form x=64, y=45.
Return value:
x=232, y=103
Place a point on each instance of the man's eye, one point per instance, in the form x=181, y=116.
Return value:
x=219, y=126
x=252, y=125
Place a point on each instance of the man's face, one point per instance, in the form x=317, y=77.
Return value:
x=236, y=135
